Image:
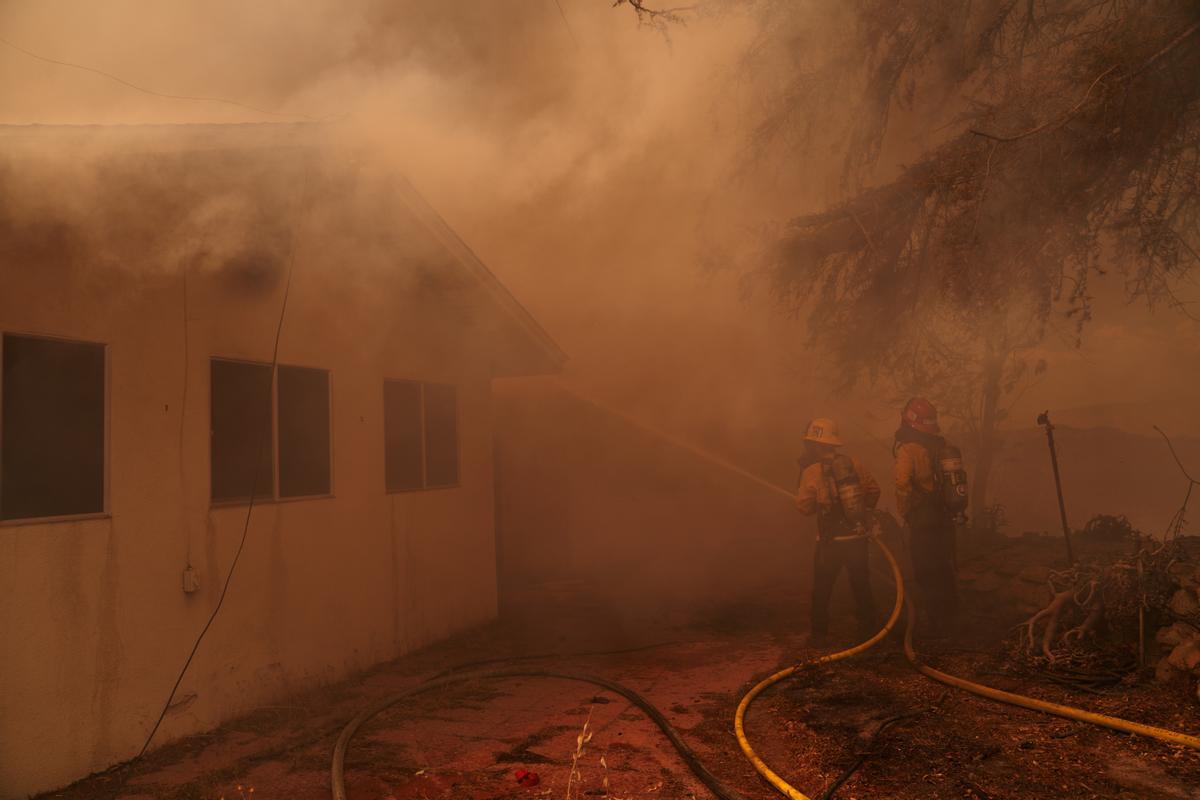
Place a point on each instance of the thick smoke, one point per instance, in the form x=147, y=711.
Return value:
x=598, y=166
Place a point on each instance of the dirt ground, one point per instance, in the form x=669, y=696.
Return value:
x=468, y=740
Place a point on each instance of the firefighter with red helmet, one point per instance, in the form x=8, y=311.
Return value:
x=931, y=494
x=841, y=493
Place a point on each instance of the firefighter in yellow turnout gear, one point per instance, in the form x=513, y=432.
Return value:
x=931, y=495
x=841, y=493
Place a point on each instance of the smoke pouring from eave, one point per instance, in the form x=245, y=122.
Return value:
x=593, y=169
x=590, y=172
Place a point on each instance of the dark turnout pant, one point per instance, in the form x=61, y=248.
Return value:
x=830, y=558
x=933, y=567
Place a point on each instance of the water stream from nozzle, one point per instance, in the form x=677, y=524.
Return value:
x=675, y=440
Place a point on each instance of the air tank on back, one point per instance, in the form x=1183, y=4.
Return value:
x=953, y=480
x=849, y=489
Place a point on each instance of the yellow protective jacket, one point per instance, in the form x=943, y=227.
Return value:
x=815, y=493
x=914, y=473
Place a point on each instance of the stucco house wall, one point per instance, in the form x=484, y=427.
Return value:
x=94, y=622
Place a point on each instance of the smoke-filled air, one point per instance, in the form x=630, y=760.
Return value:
x=579, y=398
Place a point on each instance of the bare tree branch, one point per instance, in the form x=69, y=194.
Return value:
x=1175, y=456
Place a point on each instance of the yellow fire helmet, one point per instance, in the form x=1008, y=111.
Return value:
x=823, y=430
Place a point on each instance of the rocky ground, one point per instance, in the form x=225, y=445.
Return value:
x=469, y=740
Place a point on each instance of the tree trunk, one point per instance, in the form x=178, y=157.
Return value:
x=979, y=481
x=987, y=443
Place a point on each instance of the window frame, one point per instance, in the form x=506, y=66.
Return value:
x=424, y=487
x=274, y=497
x=106, y=509
x=328, y=427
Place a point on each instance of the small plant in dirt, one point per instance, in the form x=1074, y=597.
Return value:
x=575, y=777
x=608, y=795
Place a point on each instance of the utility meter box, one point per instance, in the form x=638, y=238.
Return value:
x=191, y=579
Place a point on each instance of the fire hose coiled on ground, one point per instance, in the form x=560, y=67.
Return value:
x=1032, y=703
x=1068, y=712
x=739, y=718
x=719, y=789
x=338, y=771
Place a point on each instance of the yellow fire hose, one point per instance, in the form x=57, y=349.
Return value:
x=1068, y=712
x=739, y=718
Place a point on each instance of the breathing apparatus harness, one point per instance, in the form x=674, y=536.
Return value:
x=949, y=475
x=850, y=517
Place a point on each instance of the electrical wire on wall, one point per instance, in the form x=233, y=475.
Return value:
x=264, y=443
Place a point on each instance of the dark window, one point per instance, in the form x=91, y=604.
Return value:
x=441, y=435
x=52, y=428
x=241, y=431
x=303, y=432
x=420, y=428
x=402, y=435
x=245, y=432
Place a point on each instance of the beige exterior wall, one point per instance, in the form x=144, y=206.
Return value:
x=94, y=624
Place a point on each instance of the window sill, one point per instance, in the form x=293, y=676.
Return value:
x=425, y=489
x=302, y=498
x=269, y=501
x=17, y=523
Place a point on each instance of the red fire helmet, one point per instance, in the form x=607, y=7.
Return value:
x=919, y=414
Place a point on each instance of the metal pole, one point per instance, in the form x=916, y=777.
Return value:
x=1137, y=554
x=1141, y=616
x=1044, y=419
